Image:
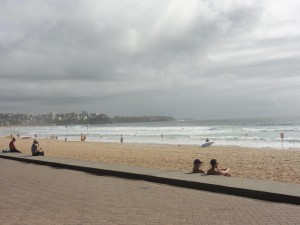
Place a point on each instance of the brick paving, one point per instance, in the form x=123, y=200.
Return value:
x=33, y=194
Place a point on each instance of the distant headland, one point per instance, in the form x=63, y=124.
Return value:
x=83, y=118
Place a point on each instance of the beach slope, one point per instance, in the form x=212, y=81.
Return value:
x=262, y=164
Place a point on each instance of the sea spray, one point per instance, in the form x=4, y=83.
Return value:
x=257, y=133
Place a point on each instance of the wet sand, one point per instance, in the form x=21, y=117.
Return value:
x=263, y=164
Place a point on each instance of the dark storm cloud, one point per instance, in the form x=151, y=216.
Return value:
x=149, y=57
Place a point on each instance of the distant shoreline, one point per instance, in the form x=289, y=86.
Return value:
x=259, y=134
x=62, y=138
x=67, y=119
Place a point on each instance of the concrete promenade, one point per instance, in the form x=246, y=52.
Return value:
x=257, y=189
x=34, y=194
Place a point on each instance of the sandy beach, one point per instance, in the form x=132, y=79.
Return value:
x=263, y=164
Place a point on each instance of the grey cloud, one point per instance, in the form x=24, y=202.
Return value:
x=147, y=57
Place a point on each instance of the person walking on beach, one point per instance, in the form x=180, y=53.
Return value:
x=215, y=171
x=82, y=137
x=121, y=140
x=197, y=165
x=35, y=149
x=12, y=147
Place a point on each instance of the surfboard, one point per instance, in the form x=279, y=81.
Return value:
x=207, y=144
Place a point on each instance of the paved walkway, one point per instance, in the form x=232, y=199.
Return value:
x=257, y=189
x=34, y=194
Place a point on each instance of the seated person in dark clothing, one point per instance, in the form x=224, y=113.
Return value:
x=35, y=149
x=197, y=165
x=12, y=147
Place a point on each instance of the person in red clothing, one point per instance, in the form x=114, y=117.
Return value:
x=12, y=147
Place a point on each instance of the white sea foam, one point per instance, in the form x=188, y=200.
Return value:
x=259, y=133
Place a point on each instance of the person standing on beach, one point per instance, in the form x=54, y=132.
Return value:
x=82, y=137
x=121, y=140
x=12, y=147
x=35, y=149
x=215, y=171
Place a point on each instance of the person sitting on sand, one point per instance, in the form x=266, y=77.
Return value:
x=197, y=165
x=35, y=149
x=215, y=171
x=12, y=147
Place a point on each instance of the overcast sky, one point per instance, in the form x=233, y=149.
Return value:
x=183, y=58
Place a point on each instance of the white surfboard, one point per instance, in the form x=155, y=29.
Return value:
x=207, y=144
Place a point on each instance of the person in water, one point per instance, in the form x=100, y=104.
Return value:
x=12, y=147
x=216, y=171
x=36, y=149
x=197, y=165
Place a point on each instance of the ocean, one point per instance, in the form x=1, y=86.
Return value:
x=256, y=133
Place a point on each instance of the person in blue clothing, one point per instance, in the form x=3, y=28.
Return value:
x=36, y=149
